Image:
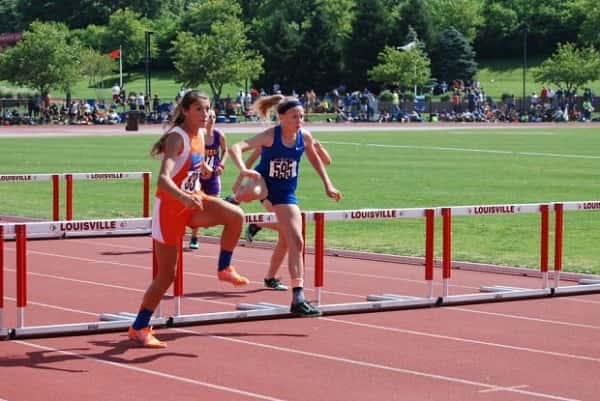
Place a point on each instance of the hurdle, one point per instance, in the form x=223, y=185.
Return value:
x=64, y=229
x=55, y=178
x=116, y=176
x=591, y=284
x=69, y=186
x=498, y=293
x=243, y=312
x=374, y=302
x=263, y=310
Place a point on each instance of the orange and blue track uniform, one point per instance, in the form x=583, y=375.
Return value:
x=170, y=217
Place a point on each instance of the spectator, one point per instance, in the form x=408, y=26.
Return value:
x=116, y=94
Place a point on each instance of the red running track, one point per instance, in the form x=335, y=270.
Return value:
x=545, y=349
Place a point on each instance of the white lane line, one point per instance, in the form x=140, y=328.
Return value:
x=493, y=132
x=463, y=340
x=470, y=150
x=385, y=367
x=532, y=319
x=57, y=307
x=153, y=372
x=492, y=390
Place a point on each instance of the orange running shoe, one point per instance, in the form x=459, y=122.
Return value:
x=231, y=276
x=145, y=337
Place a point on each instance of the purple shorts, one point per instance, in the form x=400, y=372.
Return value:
x=212, y=186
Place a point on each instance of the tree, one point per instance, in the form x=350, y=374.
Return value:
x=463, y=15
x=326, y=31
x=456, y=57
x=566, y=70
x=401, y=68
x=370, y=32
x=10, y=17
x=96, y=66
x=126, y=29
x=589, y=28
x=217, y=58
x=417, y=15
x=81, y=13
x=44, y=59
x=202, y=15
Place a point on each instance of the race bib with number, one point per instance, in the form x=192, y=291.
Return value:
x=191, y=183
x=210, y=160
x=282, y=168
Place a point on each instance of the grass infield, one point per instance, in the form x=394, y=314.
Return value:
x=403, y=169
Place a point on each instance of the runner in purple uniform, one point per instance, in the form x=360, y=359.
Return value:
x=215, y=152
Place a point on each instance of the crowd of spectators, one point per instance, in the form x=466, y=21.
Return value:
x=458, y=103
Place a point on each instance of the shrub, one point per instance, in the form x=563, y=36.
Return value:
x=386, y=96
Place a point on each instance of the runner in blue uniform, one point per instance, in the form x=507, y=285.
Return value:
x=276, y=179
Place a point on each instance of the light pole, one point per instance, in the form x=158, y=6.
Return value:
x=525, y=31
x=148, y=59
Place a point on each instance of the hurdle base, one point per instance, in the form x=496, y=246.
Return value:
x=494, y=296
x=4, y=334
x=376, y=306
x=130, y=317
x=577, y=289
x=390, y=297
x=261, y=306
x=589, y=281
x=499, y=288
x=228, y=317
x=69, y=329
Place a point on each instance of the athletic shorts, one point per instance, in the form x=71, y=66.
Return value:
x=211, y=186
x=169, y=220
x=282, y=198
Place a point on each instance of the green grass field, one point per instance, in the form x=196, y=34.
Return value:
x=425, y=168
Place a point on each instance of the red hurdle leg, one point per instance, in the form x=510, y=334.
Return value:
x=69, y=202
x=447, y=247
x=429, y=249
x=21, y=235
x=558, y=242
x=55, y=197
x=146, y=195
x=544, y=235
x=319, y=254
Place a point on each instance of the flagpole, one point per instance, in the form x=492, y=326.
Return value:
x=120, y=67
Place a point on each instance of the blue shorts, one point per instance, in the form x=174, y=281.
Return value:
x=282, y=198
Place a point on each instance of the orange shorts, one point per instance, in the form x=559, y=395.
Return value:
x=169, y=220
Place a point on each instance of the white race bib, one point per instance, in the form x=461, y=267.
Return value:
x=282, y=168
x=191, y=183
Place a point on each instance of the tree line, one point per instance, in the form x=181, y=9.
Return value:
x=300, y=45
